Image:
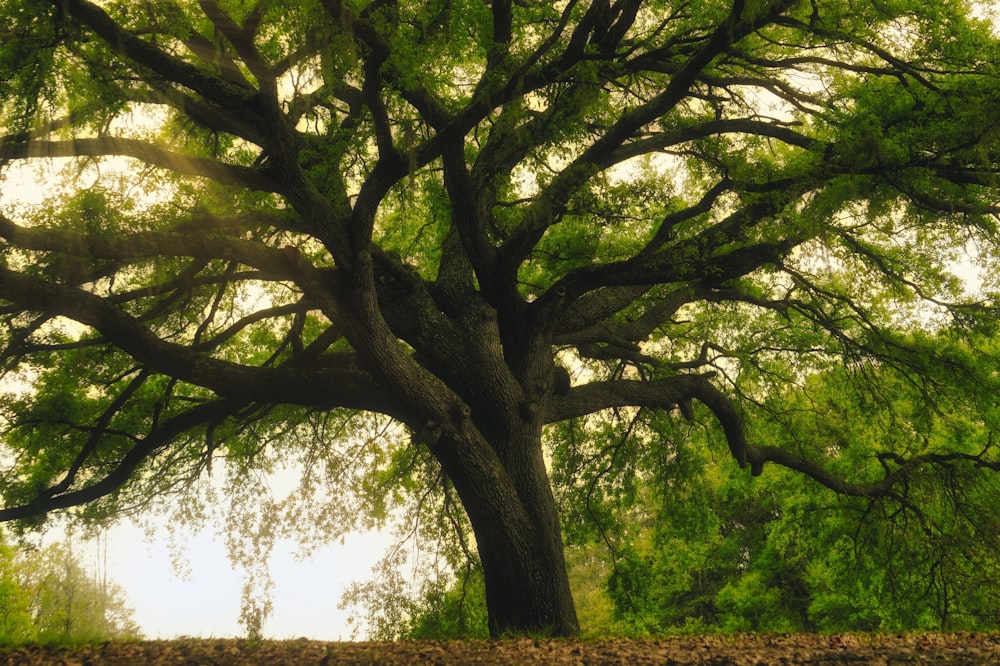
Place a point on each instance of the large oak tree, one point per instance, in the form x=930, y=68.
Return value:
x=477, y=219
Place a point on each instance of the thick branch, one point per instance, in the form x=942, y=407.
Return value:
x=227, y=174
x=220, y=90
x=146, y=245
x=242, y=40
x=758, y=455
x=319, y=385
x=658, y=394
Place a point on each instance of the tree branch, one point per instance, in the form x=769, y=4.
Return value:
x=601, y=154
x=227, y=174
x=318, y=385
x=222, y=91
x=242, y=40
x=56, y=497
x=667, y=393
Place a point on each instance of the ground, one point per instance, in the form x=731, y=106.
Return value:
x=743, y=650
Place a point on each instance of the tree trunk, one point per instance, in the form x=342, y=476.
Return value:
x=516, y=524
x=527, y=585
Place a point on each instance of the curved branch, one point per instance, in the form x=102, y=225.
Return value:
x=758, y=455
x=317, y=384
x=253, y=318
x=667, y=393
x=55, y=497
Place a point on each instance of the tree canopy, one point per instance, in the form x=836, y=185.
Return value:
x=444, y=249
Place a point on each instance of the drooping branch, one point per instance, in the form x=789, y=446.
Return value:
x=757, y=456
x=681, y=389
x=60, y=497
x=668, y=393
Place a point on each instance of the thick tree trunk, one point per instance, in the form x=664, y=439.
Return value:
x=516, y=524
x=527, y=585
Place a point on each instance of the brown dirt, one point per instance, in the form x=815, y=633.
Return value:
x=744, y=650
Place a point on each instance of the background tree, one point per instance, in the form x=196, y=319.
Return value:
x=48, y=594
x=15, y=616
x=70, y=602
x=476, y=221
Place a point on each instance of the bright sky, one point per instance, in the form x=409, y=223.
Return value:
x=205, y=600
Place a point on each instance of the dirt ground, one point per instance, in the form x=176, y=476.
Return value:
x=744, y=650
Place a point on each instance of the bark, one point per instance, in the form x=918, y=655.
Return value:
x=516, y=524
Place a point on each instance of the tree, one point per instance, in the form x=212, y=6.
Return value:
x=478, y=221
x=47, y=594
x=15, y=617
x=69, y=603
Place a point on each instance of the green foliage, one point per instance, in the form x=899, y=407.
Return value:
x=455, y=611
x=48, y=596
x=782, y=553
x=16, y=624
x=698, y=549
x=429, y=584
x=28, y=41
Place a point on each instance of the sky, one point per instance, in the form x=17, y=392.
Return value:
x=204, y=599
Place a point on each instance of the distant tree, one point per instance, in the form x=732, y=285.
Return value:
x=48, y=595
x=15, y=616
x=404, y=245
x=70, y=603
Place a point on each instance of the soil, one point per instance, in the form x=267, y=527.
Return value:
x=742, y=650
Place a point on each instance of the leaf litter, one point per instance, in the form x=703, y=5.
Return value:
x=736, y=650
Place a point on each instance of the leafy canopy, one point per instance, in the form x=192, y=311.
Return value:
x=392, y=244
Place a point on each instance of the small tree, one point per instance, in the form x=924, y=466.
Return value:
x=70, y=603
x=478, y=221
